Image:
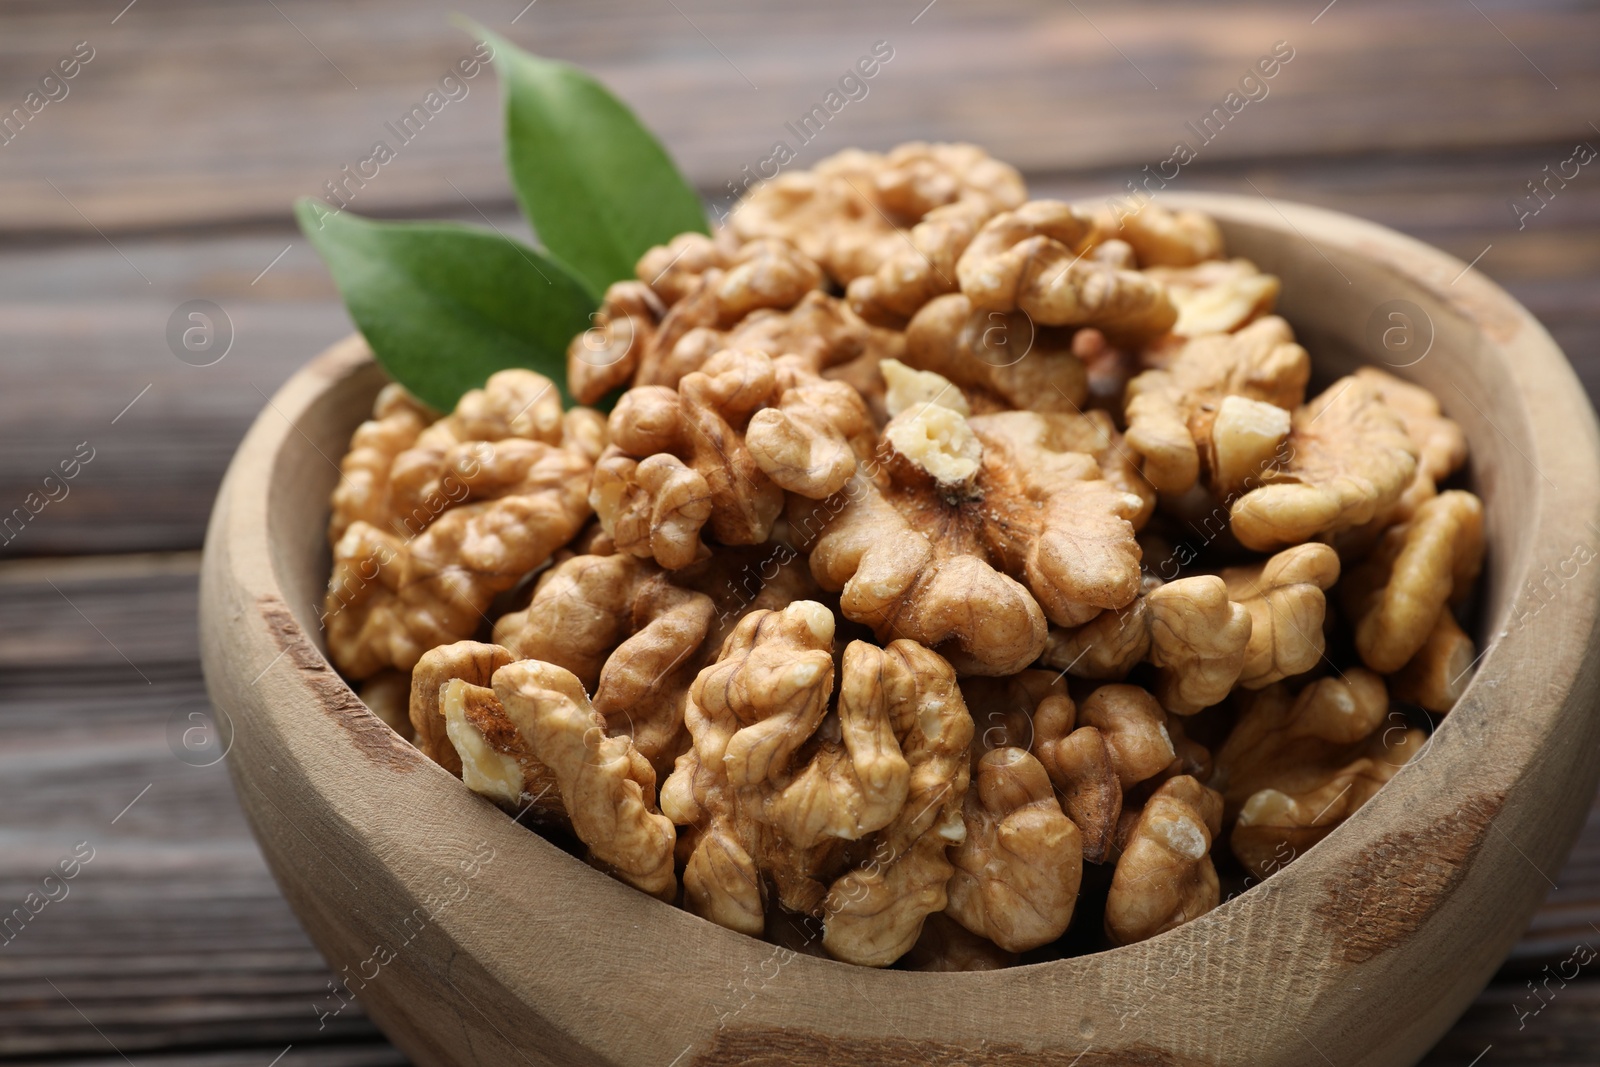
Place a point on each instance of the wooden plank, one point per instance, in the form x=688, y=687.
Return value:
x=1570, y=915
x=1500, y=1029
x=120, y=618
x=256, y=103
x=85, y=334
x=174, y=935
x=86, y=338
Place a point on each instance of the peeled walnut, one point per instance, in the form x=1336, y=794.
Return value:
x=1441, y=451
x=497, y=760
x=1165, y=877
x=828, y=212
x=1295, y=767
x=640, y=691
x=1055, y=439
x=1116, y=253
x=925, y=268
x=1080, y=766
x=1395, y=598
x=1348, y=459
x=1199, y=638
x=1109, y=645
x=893, y=379
x=1033, y=711
x=758, y=275
x=1064, y=525
x=1275, y=827
x=607, y=354
x=513, y=405
x=460, y=724
x=1135, y=730
x=935, y=552
x=1284, y=596
x=469, y=661
x=452, y=462
x=775, y=783
x=900, y=581
x=857, y=781
x=708, y=455
x=809, y=440
x=388, y=695
x=1004, y=710
x=1441, y=446
x=674, y=270
x=1122, y=739
x=1172, y=413
x=1220, y=296
x=946, y=945
x=1033, y=260
x=1247, y=439
x=1163, y=238
x=394, y=595
x=631, y=637
x=1280, y=735
x=656, y=508
x=917, y=178
x=363, y=490
x=606, y=785
x=582, y=609
x=761, y=274
x=1437, y=675
x=1017, y=873
x=1003, y=354
x=1249, y=626
x=923, y=265
x=875, y=911
x=848, y=213
x=636, y=636
x=820, y=329
x=905, y=388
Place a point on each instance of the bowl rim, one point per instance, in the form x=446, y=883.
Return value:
x=240, y=598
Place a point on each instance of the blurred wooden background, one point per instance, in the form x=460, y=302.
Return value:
x=165, y=173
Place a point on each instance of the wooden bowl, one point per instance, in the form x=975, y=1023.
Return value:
x=473, y=941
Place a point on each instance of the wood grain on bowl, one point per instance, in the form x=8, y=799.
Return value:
x=1366, y=947
x=372, y=738
x=1402, y=880
x=790, y=1047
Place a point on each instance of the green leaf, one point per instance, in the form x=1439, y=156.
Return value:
x=444, y=306
x=598, y=187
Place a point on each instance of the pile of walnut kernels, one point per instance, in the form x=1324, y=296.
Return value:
x=954, y=564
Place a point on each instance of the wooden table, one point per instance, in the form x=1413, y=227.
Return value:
x=164, y=175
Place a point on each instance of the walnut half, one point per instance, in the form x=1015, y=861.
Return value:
x=1017, y=873
x=1165, y=876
